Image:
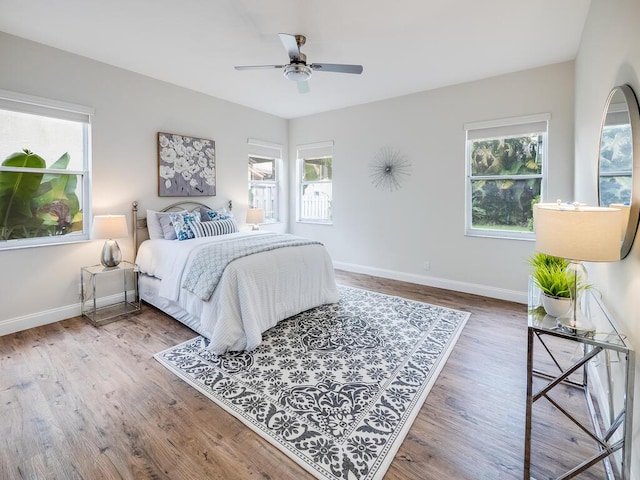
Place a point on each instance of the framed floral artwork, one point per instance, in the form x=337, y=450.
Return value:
x=186, y=166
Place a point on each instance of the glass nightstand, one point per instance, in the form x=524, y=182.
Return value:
x=602, y=366
x=107, y=309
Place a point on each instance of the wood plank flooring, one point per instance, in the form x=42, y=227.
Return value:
x=79, y=402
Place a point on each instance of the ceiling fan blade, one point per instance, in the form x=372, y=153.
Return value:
x=257, y=67
x=303, y=87
x=291, y=46
x=336, y=67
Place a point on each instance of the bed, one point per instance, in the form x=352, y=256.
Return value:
x=268, y=277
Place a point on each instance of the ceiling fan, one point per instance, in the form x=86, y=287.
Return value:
x=298, y=70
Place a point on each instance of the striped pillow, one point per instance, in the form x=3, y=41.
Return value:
x=215, y=227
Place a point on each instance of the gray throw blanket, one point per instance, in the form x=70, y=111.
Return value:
x=209, y=262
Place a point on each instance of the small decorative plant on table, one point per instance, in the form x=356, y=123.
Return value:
x=551, y=277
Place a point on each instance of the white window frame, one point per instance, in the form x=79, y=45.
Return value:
x=312, y=151
x=44, y=107
x=504, y=128
x=269, y=151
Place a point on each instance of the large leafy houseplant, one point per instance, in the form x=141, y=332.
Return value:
x=34, y=203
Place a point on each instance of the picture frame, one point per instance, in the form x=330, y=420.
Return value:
x=186, y=166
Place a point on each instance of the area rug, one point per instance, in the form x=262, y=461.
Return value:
x=336, y=388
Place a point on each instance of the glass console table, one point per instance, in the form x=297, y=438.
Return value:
x=601, y=365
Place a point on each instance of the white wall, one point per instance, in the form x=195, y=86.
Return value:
x=391, y=234
x=609, y=55
x=38, y=285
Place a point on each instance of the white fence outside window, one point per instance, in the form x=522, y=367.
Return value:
x=315, y=206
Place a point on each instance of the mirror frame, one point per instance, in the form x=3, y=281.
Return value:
x=634, y=204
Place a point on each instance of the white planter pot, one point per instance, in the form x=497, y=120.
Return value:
x=556, y=306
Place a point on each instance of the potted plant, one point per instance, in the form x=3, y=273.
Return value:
x=551, y=277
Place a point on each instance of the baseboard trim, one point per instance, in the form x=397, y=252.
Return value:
x=46, y=317
x=483, y=290
x=18, y=324
x=38, y=319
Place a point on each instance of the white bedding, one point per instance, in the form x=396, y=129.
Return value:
x=254, y=293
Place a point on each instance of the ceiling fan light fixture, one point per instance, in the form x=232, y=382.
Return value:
x=297, y=72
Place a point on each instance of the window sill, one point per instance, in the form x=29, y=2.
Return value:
x=315, y=222
x=10, y=245
x=502, y=236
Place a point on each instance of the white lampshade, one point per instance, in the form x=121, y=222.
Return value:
x=255, y=215
x=109, y=226
x=590, y=234
x=624, y=221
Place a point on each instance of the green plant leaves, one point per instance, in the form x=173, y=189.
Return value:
x=16, y=191
x=499, y=203
x=550, y=275
x=37, y=204
x=554, y=281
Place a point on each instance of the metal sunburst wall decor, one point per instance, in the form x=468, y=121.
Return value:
x=388, y=168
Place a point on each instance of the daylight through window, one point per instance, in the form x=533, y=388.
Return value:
x=505, y=175
x=315, y=196
x=264, y=172
x=44, y=171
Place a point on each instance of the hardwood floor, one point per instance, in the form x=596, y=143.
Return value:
x=80, y=402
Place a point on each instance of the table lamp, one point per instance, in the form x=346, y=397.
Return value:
x=110, y=227
x=578, y=233
x=255, y=216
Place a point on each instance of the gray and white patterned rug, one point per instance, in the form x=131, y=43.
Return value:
x=337, y=387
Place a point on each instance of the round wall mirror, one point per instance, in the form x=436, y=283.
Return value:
x=619, y=165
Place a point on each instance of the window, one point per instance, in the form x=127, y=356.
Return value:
x=44, y=171
x=264, y=170
x=505, y=175
x=315, y=170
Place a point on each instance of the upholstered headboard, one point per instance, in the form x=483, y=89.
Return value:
x=140, y=223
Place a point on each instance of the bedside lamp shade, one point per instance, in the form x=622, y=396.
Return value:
x=255, y=216
x=110, y=227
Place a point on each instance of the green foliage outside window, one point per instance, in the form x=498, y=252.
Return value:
x=38, y=204
x=317, y=169
x=502, y=190
x=316, y=189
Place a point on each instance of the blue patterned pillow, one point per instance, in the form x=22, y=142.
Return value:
x=212, y=228
x=182, y=224
x=208, y=214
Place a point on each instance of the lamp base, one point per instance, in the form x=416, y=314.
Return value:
x=111, y=254
x=576, y=323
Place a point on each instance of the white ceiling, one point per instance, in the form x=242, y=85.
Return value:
x=405, y=46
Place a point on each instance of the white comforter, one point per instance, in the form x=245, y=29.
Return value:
x=254, y=293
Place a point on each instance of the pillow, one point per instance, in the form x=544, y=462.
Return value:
x=168, y=232
x=153, y=225
x=207, y=214
x=212, y=228
x=182, y=224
